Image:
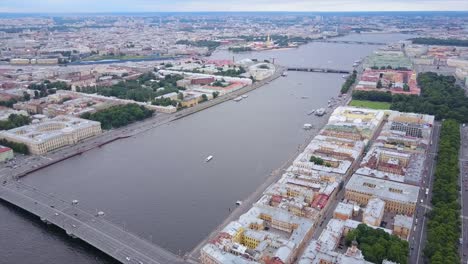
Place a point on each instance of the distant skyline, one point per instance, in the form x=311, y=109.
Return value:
x=96, y=6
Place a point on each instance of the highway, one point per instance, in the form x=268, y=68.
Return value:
x=417, y=239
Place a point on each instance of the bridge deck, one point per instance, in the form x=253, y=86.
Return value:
x=316, y=69
x=96, y=231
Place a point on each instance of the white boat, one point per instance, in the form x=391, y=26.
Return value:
x=239, y=202
x=237, y=99
x=284, y=74
x=245, y=96
x=320, y=112
x=307, y=126
x=209, y=158
x=345, y=76
x=311, y=112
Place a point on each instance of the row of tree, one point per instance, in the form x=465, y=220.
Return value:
x=143, y=89
x=119, y=115
x=16, y=147
x=46, y=88
x=240, y=49
x=349, y=82
x=211, y=45
x=443, y=228
x=440, y=96
x=443, y=42
x=14, y=121
x=377, y=245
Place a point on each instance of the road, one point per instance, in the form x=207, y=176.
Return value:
x=417, y=239
x=464, y=192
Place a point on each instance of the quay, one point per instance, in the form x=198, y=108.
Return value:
x=350, y=42
x=321, y=70
x=92, y=229
x=132, y=130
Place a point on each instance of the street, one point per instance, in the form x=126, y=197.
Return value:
x=464, y=192
x=418, y=235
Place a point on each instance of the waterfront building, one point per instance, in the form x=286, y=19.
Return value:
x=399, y=197
x=6, y=153
x=385, y=58
x=54, y=133
x=394, y=81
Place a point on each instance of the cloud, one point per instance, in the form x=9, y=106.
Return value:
x=51, y=6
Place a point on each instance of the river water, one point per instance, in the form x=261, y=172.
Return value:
x=158, y=185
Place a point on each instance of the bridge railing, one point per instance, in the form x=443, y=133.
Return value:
x=56, y=198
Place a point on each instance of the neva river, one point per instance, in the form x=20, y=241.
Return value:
x=158, y=185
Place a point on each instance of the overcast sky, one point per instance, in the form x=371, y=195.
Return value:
x=45, y=6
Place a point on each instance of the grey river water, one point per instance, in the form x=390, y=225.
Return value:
x=157, y=184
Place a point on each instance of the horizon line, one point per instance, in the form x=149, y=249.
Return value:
x=242, y=11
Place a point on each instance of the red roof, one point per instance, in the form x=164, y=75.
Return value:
x=320, y=201
x=4, y=149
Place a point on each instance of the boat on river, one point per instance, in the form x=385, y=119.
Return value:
x=320, y=112
x=209, y=158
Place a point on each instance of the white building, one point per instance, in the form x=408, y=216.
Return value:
x=52, y=133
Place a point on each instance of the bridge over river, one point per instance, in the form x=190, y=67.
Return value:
x=92, y=229
x=350, y=42
x=316, y=69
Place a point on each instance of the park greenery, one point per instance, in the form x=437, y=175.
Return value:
x=240, y=49
x=440, y=96
x=377, y=245
x=164, y=102
x=443, y=42
x=349, y=82
x=319, y=161
x=143, y=89
x=211, y=45
x=47, y=87
x=16, y=147
x=373, y=96
x=389, y=67
x=119, y=115
x=443, y=228
x=14, y=121
x=235, y=72
x=370, y=104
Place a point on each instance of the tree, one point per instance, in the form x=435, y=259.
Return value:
x=180, y=96
x=119, y=115
x=26, y=96
x=36, y=95
x=406, y=87
x=379, y=84
x=204, y=98
x=215, y=94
